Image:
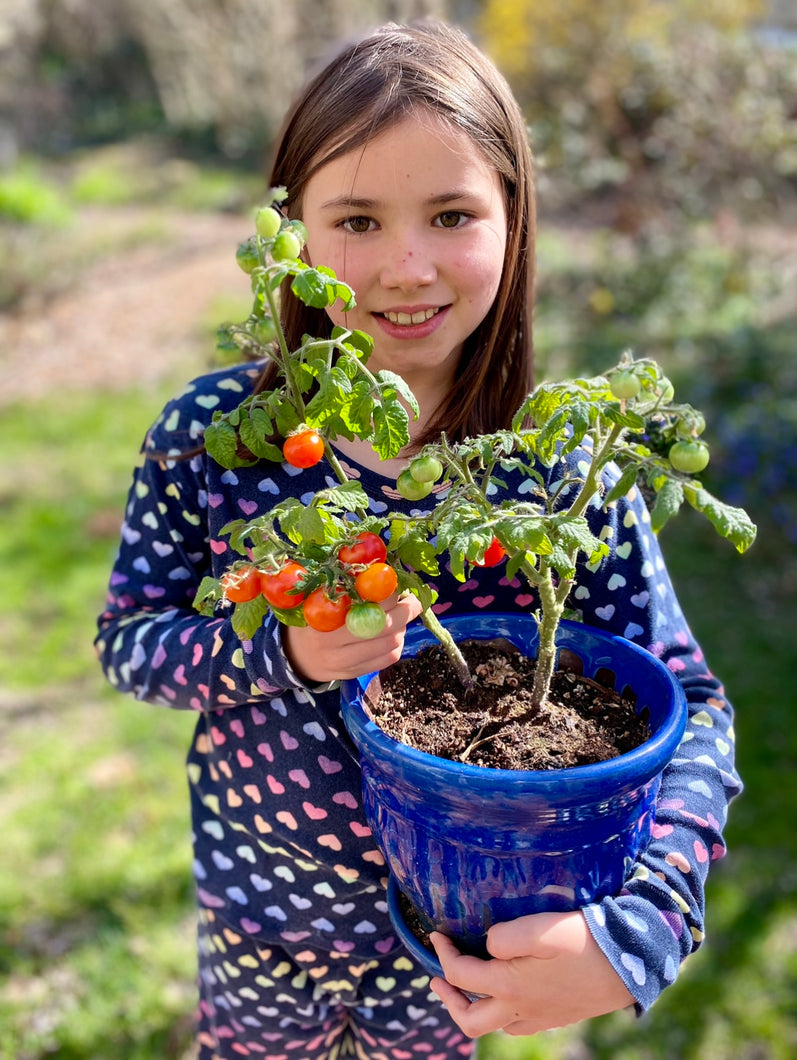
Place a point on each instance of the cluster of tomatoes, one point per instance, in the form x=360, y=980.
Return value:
x=370, y=580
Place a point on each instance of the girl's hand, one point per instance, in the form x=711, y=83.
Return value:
x=548, y=972
x=321, y=657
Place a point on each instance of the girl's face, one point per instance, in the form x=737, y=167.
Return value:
x=415, y=222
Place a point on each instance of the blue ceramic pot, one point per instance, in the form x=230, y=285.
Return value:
x=471, y=847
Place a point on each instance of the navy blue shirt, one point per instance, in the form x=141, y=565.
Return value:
x=282, y=848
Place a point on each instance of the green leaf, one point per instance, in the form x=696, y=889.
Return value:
x=310, y=287
x=357, y=413
x=730, y=522
x=624, y=484
x=395, y=384
x=247, y=618
x=207, y=595
x=221, y=443
x=391, y=429
x=310, y=525
x=669, y=499
x=253, y=438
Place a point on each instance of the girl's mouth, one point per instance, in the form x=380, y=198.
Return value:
x=408, y=319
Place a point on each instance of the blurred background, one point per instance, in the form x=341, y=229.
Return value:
x=133, y=139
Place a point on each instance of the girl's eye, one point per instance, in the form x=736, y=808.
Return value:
x=357, y=225
x=451, y=219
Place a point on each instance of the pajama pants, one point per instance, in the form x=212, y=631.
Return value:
x=263, y=1001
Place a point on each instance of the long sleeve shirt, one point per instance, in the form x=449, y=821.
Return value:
x=282, y=850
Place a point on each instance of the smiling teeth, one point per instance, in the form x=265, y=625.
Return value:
x=411, y=318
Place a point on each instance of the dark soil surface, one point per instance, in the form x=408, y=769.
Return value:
x=494, y=725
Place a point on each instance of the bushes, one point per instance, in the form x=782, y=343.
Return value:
x=674, y=106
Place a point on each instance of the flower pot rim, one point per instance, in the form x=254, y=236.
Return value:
x=631, y=768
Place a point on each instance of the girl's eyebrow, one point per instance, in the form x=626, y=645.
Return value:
x=350, y=202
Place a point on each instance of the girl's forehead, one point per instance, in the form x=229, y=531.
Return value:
x=419, y=145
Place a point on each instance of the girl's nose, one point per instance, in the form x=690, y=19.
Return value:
x=407, y=265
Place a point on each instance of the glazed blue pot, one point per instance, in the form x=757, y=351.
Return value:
x=471, y=847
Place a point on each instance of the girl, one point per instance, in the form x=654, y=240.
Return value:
x=407, y=160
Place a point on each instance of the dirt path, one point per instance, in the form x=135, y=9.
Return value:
x=137, y=315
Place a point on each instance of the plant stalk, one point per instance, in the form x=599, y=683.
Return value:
x=449, y=645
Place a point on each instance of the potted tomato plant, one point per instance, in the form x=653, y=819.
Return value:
x=466, y=846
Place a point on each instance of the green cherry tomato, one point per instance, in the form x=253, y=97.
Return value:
x=246, y=257
x=625, y=385
x=365, y=620
x=410, y=489
x=285, y=246
x=267, y=222
x=689, y=456
x=426, y=469
x=693, y=423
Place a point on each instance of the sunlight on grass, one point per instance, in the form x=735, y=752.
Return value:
x=66, y=470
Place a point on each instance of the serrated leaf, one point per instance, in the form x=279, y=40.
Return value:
x=391, y=429
x=730, y=522
x=247, y=618
x=357, y=413
x=397, y=384
x=348, y=496
x=669, y=499
x=311, y=287
x=310, y=526
x=255, y=442
x=221, y=443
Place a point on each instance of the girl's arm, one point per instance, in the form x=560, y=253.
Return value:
x=627, y=948
x=151, y=641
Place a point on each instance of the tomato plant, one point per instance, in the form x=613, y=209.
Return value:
x=365, y=620
x=304, y=449
x=281, y=589
x=241, y=584
x=326, y=613
x=377, y=582
x=366, y=548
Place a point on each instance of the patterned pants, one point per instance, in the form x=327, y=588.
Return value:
x=262, y=1001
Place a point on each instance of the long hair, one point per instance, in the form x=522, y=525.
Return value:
x=372, y=84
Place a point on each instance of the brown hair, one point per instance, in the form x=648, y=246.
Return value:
x=372, y=84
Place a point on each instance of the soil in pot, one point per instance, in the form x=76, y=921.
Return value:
x=422, y=704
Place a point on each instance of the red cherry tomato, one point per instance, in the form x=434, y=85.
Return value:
x=376, y=582
x=493, y=554
x=367, y=548
x=241, y=584
x=279, y=589
x=325, y=613
x=304, y=449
